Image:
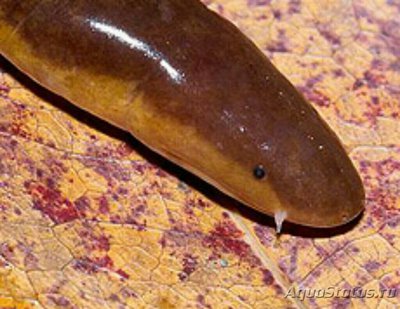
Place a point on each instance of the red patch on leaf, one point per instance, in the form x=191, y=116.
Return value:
x=94, y=242
x=104, y=208
x=51, y=203
x=123, y=274
x=226, y=238
x=317, y=97
x=189, y=266
x=92, y=266
x=59, y=300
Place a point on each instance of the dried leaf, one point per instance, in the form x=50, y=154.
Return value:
x=90, y=219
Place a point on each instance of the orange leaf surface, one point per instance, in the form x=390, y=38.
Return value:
x=92, y=219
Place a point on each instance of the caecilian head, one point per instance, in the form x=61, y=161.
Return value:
x=284, y=159
x=280, y=158
x=287, y=162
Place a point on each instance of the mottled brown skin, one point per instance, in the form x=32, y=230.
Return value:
x=192, y=87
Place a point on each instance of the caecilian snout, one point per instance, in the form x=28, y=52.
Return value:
x=315, y=178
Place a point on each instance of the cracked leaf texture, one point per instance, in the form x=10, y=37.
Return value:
x=89, y=219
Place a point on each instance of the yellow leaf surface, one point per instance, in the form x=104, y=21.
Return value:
x=92, y=219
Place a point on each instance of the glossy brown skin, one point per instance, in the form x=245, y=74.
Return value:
x=192, y=87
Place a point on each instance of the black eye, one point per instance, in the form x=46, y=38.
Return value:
x=259, y=172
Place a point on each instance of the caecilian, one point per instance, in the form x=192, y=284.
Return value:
x=189, y=85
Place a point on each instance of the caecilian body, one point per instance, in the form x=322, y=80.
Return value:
x=192, y=87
